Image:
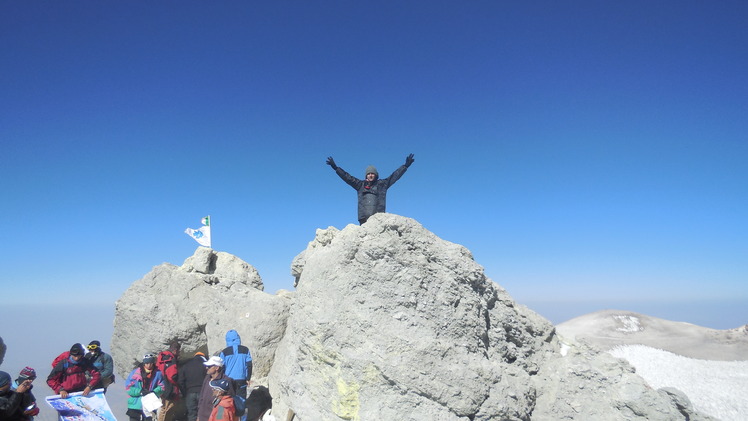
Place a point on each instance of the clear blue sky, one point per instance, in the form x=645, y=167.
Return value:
x=590, y=154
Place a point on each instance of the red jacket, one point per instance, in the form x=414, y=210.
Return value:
x=70, y=376
x=224, y=411
x=166, y=363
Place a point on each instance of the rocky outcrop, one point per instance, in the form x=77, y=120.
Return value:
x=391, y=322
x=388, y=322
x=196, y=304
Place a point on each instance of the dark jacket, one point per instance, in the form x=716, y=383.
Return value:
x=205, y=404
x=102, y=362
x=372, y=196
x=10, y=405
x=191, y=375
x=71, y=376
x=28, y=400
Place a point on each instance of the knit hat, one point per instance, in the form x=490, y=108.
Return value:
x=76, y=349
x=149, y=358
x=4, y=378
x=371, y=170
x=27, y=373
x=94, y=345
x=220, y=384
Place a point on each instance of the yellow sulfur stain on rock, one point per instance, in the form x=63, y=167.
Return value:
x=347, y=405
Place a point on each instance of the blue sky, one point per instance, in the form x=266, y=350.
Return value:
x=590, y=154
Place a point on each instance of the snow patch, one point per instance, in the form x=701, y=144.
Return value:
x=629, y=324
x=716, y=388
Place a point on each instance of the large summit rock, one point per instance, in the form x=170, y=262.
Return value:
x=197, y=304
x=391, y=322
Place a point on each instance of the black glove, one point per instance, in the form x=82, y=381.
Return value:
x=409, y=160
x=331, y=162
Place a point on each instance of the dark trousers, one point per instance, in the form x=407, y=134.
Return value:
x=240, y=387
x=191, y=400
x=136, y=415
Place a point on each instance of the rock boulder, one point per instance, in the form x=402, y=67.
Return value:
x=196, y=304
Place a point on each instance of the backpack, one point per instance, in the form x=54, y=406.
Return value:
x=258, y=403
x=64, y=356
x=239, y=405
x=167, y=365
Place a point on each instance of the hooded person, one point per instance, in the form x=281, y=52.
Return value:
x=73, y=374
x=372, y=190
x=237, y=362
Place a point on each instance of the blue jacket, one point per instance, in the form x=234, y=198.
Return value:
x=237, y=361
x=102, y=362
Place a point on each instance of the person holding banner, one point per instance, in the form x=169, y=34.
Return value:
x=103, y=362
x=144, y=379
x=73, y=374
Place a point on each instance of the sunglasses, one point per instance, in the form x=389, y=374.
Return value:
x=92, y=347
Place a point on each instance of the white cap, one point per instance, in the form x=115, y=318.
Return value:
x=214, y=360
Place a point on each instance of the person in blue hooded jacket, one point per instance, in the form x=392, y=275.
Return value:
x=237, y=362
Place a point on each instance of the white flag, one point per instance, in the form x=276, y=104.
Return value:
x=201, y=235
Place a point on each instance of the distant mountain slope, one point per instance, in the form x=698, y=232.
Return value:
x=610, y=328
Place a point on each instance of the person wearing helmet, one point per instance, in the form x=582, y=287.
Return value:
x=144, y=379
x=372, y=190
x=223, y=403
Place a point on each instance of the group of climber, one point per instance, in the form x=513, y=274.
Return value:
x=199, y=389
x=72, y=371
